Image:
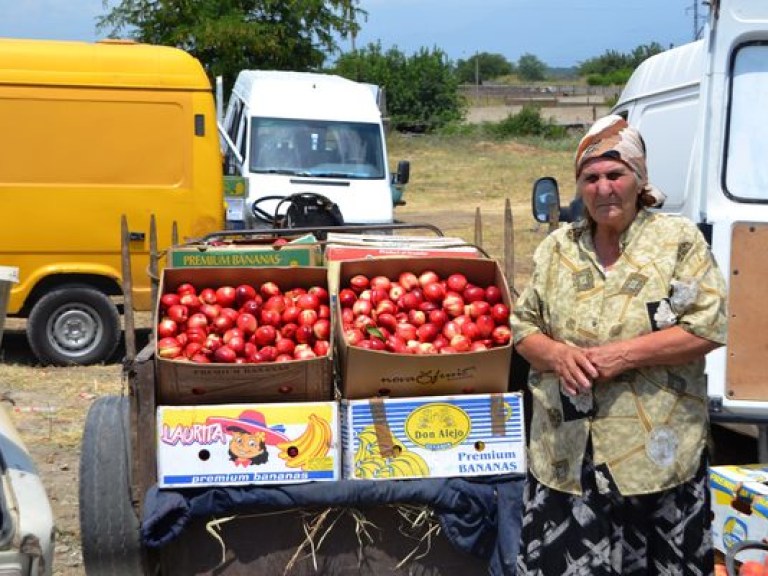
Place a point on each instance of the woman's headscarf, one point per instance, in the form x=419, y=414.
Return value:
x=612, y=137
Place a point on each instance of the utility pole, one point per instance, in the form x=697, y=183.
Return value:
x=695, y=19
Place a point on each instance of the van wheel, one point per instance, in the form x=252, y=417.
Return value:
x=109, y=526
x=74, y=324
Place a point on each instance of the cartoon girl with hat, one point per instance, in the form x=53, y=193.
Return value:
x=250, y=436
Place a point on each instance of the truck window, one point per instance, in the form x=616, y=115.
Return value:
x=746, y=164
x=317, y=148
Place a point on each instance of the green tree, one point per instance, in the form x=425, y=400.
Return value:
x=530, y=68
x=421, y=89
x=483, y=66
x=615, y=64
x=231, y=35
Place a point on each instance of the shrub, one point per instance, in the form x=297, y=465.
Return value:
x=527, y=122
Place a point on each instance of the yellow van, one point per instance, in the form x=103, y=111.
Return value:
x=90, y=132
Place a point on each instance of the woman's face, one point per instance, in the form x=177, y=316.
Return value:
x=610, y=190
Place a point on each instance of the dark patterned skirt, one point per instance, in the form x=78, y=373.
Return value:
x=666, y=533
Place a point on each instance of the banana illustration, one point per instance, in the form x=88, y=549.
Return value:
x=312, y=444
x=369, y=462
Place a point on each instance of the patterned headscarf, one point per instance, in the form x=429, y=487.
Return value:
x=612, y=137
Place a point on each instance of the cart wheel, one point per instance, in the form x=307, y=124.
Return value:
x=736, y=549
x=109, y=527
x=74, y=324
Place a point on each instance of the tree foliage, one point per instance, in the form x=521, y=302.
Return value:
x=483, y=66
x=421, y=89
x=232, y=35
x=614, y=67
x=530, y=68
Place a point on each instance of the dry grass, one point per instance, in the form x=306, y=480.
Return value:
x=451, y=177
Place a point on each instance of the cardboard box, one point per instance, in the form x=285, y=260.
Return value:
x=240, y=444
x=739, y=506
x=367, y=373
x=342, y=247
x=301, y=251
x=184, y=382
x=436, y=436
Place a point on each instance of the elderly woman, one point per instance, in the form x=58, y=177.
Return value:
x=621, y=309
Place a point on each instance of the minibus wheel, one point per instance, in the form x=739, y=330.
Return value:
x=74, y=324
x=109, y=524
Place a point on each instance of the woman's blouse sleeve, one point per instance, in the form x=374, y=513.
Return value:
x=530, y=312
x=698, y=289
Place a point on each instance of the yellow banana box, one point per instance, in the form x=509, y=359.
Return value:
x=433, y=436
x=241, y=444
x=739, y=506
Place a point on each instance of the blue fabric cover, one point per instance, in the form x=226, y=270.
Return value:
x=480, y=516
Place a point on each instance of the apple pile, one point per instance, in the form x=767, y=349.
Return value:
x=423, y=314
x=244, y=324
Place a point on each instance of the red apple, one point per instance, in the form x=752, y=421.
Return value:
x=478, y=308
x=304, y=334
x=271, y=317
x=304, y=353
x=386, y=320
x=168, y=347
x=225, y=295
x=320, y=292
x=251, y=306
x=197, y=320
x=451, y=329
x=167, y=327
x=493, y=294
x=308, y=301
x=353, y=336
x=453, y=304
x=362, y=307
x=285, y=346
x=243, y=293
x=428, y=277
x=322, y=329
x=191, y=301
x=321, y=347
x=265, y=335
x=460, y=343
x=268, y=289
x=408, y=280
x=224, y=354
x=168, y=300
x=307, y=317
x=196, y=335
x=485, y=325
x=501, y=335
x=186, y=288
x=427, y=332
x=211, y=311
x=500, y=313
x=478, y=346
x=288, y=331
x=406, y=331
x=396, y=292
x=200, y=358
x=456, y=282
x=268, y=353
x=358, y=283
x=221, y=324
x=438, y=317
x=207, y=296
x=434, y=291
x=470, y=330
x=247, y=323
x=346, y=297
x=192, y=348
x=417, y=317
x=472, y=293
x=381, y=282
x=178, y=313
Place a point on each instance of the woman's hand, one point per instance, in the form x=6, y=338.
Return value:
x=610, y=359
x=573, y=366
x=570, y=363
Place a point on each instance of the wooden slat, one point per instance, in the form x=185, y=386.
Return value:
x=509, y=247
x=748, y=321
x=128, y=321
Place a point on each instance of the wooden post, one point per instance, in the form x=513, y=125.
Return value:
x=478, y=228
x=509, y=246
x=153, y=257
x=129, y=326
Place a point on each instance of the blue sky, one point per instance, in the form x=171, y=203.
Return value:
x=559, y=32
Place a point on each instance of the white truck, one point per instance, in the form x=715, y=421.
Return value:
x=299, y=132
x=702, y=109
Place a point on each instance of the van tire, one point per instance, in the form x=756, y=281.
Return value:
x=109, y=526
x=74, y=324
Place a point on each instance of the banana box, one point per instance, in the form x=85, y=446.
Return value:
x=241, y=444
x=739, y=506
x=433, y=436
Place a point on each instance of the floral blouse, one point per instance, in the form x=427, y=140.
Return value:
x=648, y=426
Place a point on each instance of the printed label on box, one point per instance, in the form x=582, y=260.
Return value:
x=247, y=444
x=470, y=435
